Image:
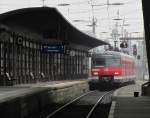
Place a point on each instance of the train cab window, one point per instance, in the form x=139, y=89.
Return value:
x=112, y=61
x=106, y=61
x=99, y=62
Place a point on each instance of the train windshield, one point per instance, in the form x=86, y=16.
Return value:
x=106, y=61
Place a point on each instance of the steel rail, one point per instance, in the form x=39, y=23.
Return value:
x=100, y=99
x=59, y=109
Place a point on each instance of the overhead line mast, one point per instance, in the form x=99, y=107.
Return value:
x=43, y=2
x=93, y=18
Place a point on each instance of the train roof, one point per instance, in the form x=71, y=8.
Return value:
x=114, y=53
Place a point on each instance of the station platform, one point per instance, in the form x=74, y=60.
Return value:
x=10, y=92
x=126, y=105
x=26, y=100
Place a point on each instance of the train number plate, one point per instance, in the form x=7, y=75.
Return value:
x=106, y=78
x=96, y=77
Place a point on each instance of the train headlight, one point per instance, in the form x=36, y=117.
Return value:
x=116, y=73
x=95, y=73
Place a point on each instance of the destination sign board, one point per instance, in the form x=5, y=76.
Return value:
x=58, y=48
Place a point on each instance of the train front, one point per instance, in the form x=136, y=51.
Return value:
x=104, y=69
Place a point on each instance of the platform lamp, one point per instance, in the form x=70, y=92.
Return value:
x=63, y=4
x=103, y=32
x=113, y=4
x=136, y=32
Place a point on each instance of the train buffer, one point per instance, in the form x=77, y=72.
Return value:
x=128, y=103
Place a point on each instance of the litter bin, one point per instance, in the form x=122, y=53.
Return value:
x=136, y=94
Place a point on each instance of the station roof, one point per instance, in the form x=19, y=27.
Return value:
x=46, y=20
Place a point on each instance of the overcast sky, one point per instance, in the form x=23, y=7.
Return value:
x=130, y=13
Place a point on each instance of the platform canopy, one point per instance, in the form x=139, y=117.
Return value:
x=50, y=22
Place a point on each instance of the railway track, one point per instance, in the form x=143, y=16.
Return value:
x=84, y=106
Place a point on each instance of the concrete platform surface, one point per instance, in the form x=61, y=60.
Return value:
x=28, y=100
x=126, y=105
x=11, y=92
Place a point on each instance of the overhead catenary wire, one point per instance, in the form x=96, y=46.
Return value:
x=4, y=5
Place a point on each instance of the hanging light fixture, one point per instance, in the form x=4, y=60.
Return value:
x=63, y=4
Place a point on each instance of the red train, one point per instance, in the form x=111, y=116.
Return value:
x=111, y=68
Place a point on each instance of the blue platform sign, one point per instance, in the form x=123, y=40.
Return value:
x=58, y=48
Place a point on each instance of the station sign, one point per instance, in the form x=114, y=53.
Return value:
x=56, y=48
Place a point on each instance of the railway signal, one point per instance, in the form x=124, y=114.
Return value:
x=124, y=45
x=134, y=50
